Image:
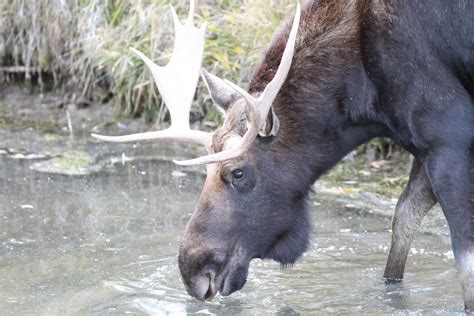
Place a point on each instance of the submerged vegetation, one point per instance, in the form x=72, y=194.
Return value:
x=82, y=46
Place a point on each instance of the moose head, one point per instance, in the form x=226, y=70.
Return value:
x=253, y=204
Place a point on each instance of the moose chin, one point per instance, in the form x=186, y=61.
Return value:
x=338, y=74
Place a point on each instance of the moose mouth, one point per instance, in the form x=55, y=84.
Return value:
x=206, y=287
x=231, y=279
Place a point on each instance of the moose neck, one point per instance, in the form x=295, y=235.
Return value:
x=319, y=129
x=325, y=105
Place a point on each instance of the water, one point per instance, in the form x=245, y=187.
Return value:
x=106, y=244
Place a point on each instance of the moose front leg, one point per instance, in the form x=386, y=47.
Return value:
x=413, y=205
x=449, y=169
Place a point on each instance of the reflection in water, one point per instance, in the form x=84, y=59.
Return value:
x=107, y=243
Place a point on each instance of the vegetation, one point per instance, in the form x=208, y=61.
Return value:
x=82, y=46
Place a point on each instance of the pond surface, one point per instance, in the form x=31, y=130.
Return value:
x=105, y=243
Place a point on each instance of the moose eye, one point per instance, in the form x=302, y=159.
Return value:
x=238, y=174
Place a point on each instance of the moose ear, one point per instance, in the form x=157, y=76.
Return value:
x=222, y=95
x=272, y=125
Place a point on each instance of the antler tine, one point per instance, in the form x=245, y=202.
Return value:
x=177, y=83
x=271, y=90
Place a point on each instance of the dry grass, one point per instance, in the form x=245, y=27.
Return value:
x=81, y=46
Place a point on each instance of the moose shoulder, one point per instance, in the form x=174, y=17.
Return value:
x=337, y=75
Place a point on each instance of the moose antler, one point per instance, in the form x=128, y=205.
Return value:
x=259, y=107
x=177, y=83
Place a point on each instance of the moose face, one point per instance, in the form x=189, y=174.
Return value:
x=250, y=206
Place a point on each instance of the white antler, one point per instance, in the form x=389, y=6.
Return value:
x=177, y=83
x=260, y=106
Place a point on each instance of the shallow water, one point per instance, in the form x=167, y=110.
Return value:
x=106, y=243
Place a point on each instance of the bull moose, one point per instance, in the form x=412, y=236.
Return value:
x=340, y=74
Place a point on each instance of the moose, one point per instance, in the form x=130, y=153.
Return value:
x=337, y=75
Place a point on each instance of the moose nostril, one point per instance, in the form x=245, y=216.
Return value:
x=209, y=294
x=211, y=285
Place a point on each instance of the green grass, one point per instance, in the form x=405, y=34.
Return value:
x=81, y=46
